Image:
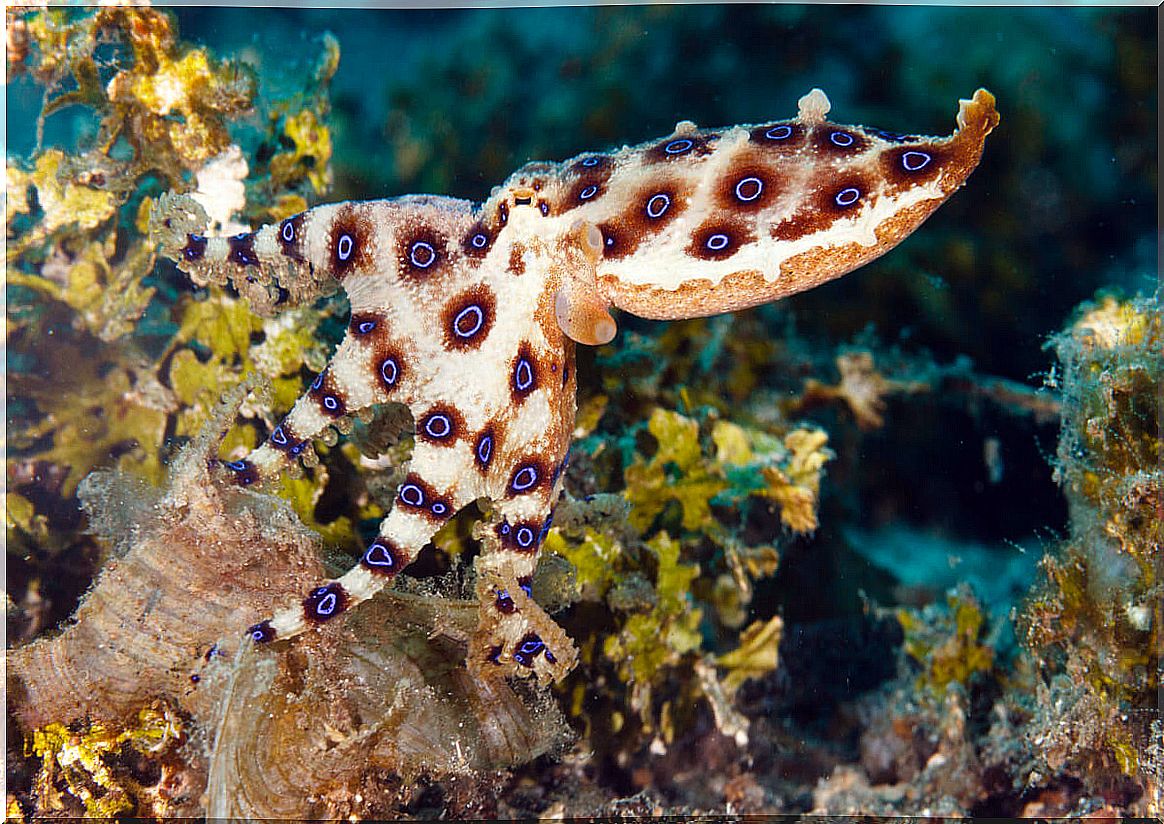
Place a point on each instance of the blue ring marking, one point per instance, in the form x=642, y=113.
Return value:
x=590, y=161
x=318, y=382
x=526, y=588
x=523, y=375
x=380, y=558
x=655, y=212
x=344, y=252
x=544, y=208
x=475, y=309
x=328, y=601
x=288, y=232
x=237, y=466
x=921, y=164
x=678, y=147
x=842, y=139
x=331, y=403
x=550, y=657
x=503, y=602
x=524, y=537
x=524, y=479
x=365, y=326
x=261, y=632
x=505, y=528
x=422, y=245
x=439, y=419
x=759, y=184
x=485, y=449
x=279, y=437
x=389, y=371
x=717, y=242
x=589, y=192
x=439, y=508
x=479, y=240
x=299, y=447
x=781, y=132
x=411, y=494
x=847, y=197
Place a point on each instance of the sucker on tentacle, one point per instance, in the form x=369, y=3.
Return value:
x=469, y=315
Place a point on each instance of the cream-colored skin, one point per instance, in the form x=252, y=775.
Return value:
x=701, y=222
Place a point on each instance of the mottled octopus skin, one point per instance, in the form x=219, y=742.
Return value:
x=469, y=315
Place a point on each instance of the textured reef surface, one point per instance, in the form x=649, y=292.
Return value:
x=890, y=546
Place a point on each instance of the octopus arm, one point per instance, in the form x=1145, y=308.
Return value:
x=776, y=209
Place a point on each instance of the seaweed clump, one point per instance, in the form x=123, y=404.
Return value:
x=113, y=361
x=1093, y=625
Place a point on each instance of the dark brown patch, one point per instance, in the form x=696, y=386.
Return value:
x=441, y=425
x=478, y=241
x=350, y=242
x=242, y=249
x=592, y=164
x=589, y=181
x=504, y=603
x=467, y=318
x=516, y=261
x=327, y=395
x=748, y=185
x=415, y=495
x=325, y=602
x=617, y=242
x=823, y=208
x=522, y=536
x=384, y=557
x=529, y=475
x=284, y=439
x=195, y=247
x=680, y=147
x=421, y=252
x=243, y=473
x=838, y=141
x=528, y=648
x=719, y=239
x=389, y=366
x=905, y=166
x=290, y=235
x=262, y=632
x=523, y=373
x=779, y=136
x=485, y=447
x=363, y=324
